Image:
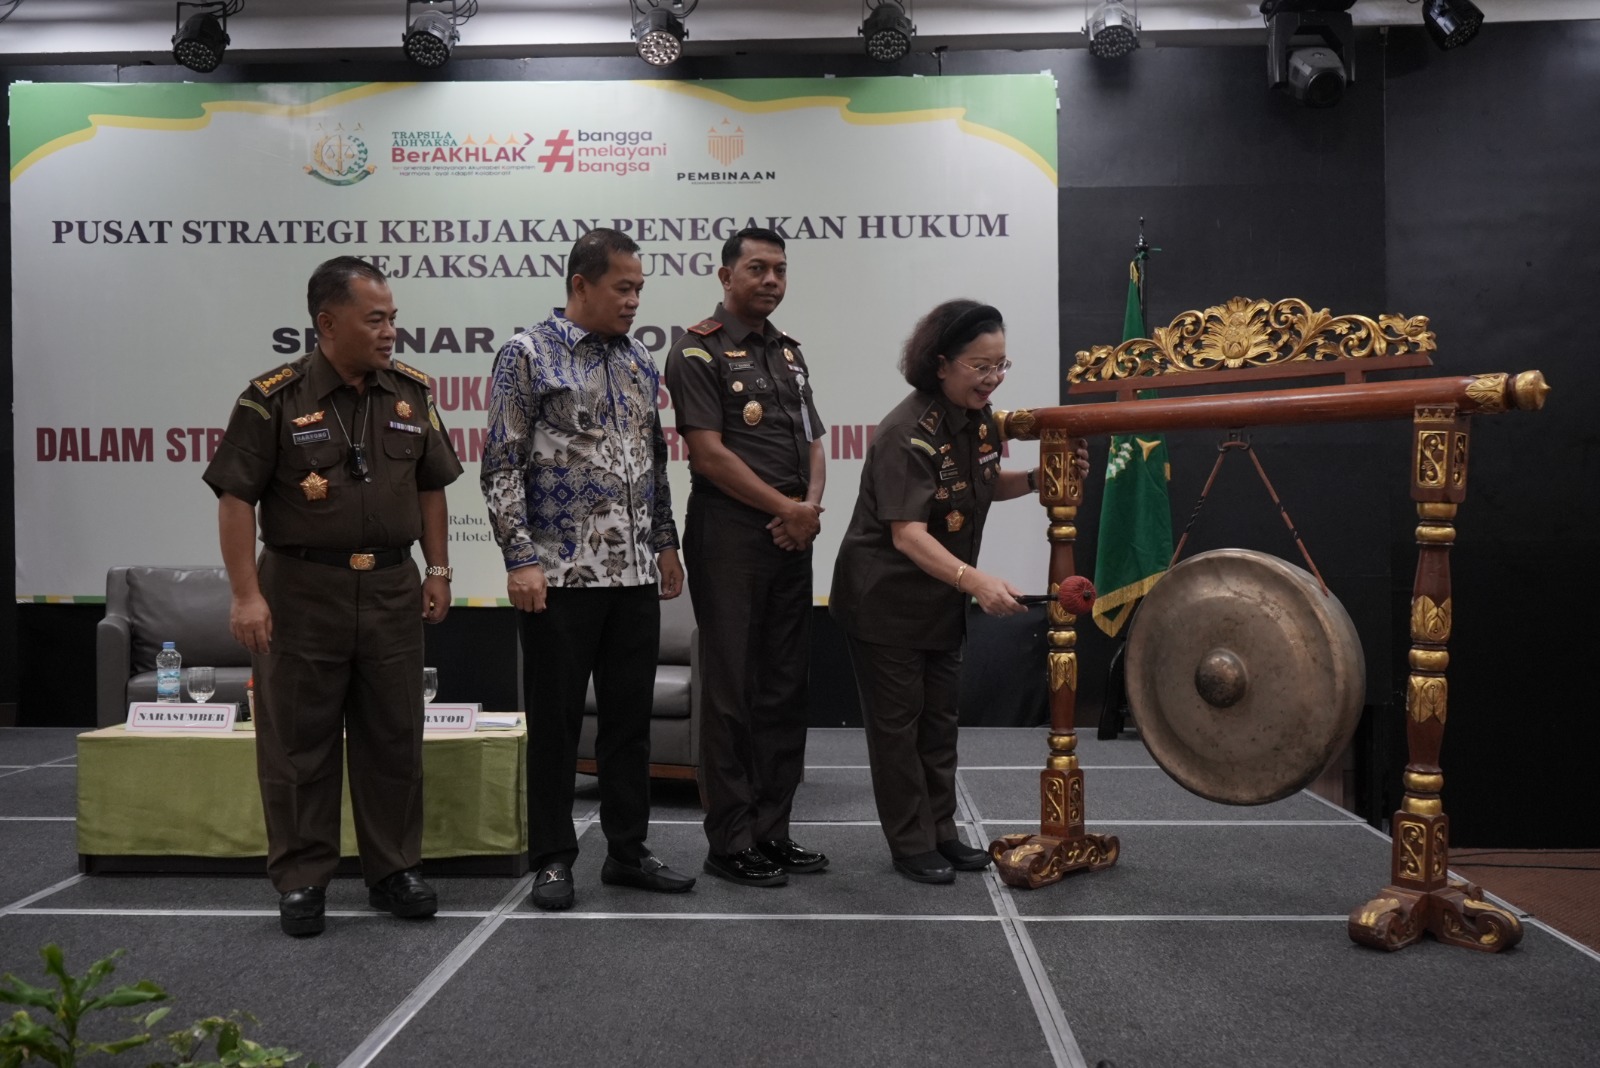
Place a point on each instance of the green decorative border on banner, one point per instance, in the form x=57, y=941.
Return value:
x=46, y=118
x=1004, y=108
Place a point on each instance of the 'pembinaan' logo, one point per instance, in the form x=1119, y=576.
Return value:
x=339, y=157
x=725, y=142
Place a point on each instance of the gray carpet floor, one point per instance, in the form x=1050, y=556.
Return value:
x=1218, y=939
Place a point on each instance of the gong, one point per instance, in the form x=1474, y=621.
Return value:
x=1245, y=679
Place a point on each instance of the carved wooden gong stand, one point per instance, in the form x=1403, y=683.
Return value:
x=1254, y=340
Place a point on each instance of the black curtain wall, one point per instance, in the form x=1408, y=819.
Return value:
x=1453, y=185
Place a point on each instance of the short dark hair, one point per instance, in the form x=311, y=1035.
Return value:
x=330, y=282
x=945, y=332
x=591, y=254
x=733, y=248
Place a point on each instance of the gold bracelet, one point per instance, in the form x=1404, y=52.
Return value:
x=959, y=572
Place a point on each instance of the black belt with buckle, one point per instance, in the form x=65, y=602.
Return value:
x=353, y=559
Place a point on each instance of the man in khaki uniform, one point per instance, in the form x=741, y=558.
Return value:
x=343, y=453
x=741, y=391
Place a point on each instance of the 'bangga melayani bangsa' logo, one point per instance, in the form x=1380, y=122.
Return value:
x=725, y=142
x=338, y=156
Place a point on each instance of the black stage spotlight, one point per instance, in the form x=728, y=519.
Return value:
x=887, y=30
x=432, y=33
x=1113, y=32
x=1310, y=49
x=201, y=38
x=1451, y=23
x=658, y=29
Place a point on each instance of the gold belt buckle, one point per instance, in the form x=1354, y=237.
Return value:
x=363, y=561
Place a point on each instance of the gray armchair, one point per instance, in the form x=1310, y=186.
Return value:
x=146, y=606
x=675, y=707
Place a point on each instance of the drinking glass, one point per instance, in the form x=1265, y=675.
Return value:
x=430, y=684
x=202, y=683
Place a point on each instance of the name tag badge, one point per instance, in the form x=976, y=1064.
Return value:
x=311, y=437
x=947, y=474
x=407, y=427
x=741, y=365
x=988, y=458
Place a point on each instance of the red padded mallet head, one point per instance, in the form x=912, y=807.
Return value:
x=1076, y=595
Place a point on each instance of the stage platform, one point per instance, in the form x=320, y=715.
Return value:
x=1218, y=939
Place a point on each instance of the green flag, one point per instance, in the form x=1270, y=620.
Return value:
x=1135, y=520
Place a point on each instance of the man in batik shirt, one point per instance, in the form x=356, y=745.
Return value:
x=575, y=476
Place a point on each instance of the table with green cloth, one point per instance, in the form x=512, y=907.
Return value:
x=178, y=801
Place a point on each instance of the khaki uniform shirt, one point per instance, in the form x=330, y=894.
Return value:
x=285, y=450
x=931, y=462
x=753, y=387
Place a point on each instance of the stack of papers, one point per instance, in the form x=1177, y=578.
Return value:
x=499, y=720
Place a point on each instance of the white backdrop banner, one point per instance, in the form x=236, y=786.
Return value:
x=162, y=236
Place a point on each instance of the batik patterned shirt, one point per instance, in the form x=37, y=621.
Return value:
x=575, y=465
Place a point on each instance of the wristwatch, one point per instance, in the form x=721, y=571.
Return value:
x=435, y=571
x=1033, y=480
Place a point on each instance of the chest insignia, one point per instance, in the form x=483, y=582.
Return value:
x=753, y=413
x=315, y=487
x=738, y=387
x=985, y=447
x=958, y=487
x=402, y=409
x=983, y=430
x=395, y=424
x=954, y=522
x=944, y=448
x=307, y=420
x=941, y=494
x=788, y=354
x=736, y=354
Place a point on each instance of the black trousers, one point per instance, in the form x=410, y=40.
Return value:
x=343, y=677
x=614, y=635
x=909, y=703
x=752, y=603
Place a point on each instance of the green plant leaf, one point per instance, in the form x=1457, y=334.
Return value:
x=20, y=993
x=119, y=1046
x=228, y=1038
x=140, y=993
x=156, y=1017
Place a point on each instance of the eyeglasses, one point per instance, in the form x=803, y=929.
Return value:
x=987, y=370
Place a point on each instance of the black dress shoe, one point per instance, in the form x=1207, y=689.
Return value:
x=552, y=887
x=787, y=854
x=651, y=874
x=925, y=868
x=750, y=868
x=301, y=912
x=963, y=857
x=404, y=894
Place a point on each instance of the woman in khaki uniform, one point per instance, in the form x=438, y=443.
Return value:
x=907, y=567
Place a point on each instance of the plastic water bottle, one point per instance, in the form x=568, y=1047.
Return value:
x=169, y=666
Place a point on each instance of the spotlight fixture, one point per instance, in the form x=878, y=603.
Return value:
x=1451, y=23
x=431, y=33
x=658, y=29
x=886, y=29
x=200, y=39
x=1310, y=49
x=1113, y=33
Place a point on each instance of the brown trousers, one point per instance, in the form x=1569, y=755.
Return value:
x=909, y=704
x=345, y=662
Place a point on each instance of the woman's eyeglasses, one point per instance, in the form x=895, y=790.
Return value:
x=986, y=370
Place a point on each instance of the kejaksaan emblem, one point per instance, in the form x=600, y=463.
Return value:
x=339, y=157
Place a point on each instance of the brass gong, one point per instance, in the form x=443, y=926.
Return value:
x=1244, y=678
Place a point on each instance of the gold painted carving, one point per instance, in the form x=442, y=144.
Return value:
x=1063, y=671
x=1051, y=795
x=1434, y=413
x=1075, y=801
x=1458, y=459
x=1488, y=392
x=1431, y=457
x=1441, y=850
x=1054, y=487
x=1430, y=659
x=1253, y=333
x=1061, y=639
x=1427, y=697
x=1529, y=390
x=1412, y=838
x=1019, y=424
x=1430, y=622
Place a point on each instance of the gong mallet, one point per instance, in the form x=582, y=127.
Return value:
x=1075, y=595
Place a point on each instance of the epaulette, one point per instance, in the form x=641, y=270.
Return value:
x=931, y=418
x=705, y=328
x=411, y=372
x=790, y=338
x=269, y=384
